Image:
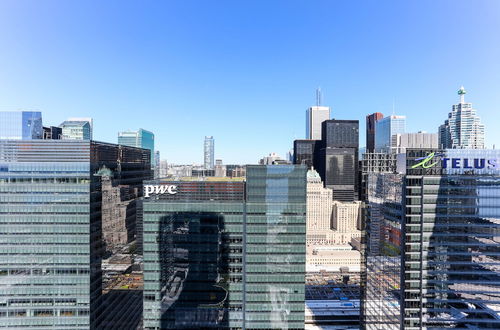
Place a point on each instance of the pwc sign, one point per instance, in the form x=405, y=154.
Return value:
x=159, y=189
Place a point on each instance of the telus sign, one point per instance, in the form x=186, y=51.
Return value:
x=462, y=163
x=159, y=189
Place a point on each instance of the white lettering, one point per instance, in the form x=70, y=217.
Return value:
x=159, y=190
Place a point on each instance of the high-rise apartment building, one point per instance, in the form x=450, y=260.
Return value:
x=50, y=228
x=76, y=130
x=226, y=254
x=337, y=158
x=139, y=139
x=315, y=116
x=385, y=128
x=437, y=265
x=463, y=128
x=370, y=130
x=209, y=153
x=21, y=125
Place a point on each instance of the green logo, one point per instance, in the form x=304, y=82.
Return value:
x=425, y=161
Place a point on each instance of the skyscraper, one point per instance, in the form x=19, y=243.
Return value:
x=87, y=119
x=304, y=151
x=437, y=264
x=76, y=130
x=463, y=128
x=370, y=130
x=226, y=254
x=209, y=153
x=337, y=158
x=139, y=139
x=385, y=128
x=314, y=117
x=50, y=229
x=21, y=125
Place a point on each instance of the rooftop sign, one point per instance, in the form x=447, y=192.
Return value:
x=159, y=189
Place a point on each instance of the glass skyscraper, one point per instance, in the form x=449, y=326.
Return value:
x=226, y=254
x=50, y=229
x=139, y=139
x=21, y=125
x=76, y=130
x=385, y=128
x=444, y=238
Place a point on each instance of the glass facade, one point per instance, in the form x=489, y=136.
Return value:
x=227, y=255
x=385, y=128
x=449, y=241
x=209, y=152
x=139, y=139
x=50, y=229
x=21, y=125
x=76, y=130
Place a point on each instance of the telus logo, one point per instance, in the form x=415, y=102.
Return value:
x=462, y=163
x=159, y=189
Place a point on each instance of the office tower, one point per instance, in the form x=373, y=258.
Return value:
x=76, y=130
x=50, y=224
x=463, y=128
x=437, y=258
x=163, y=169
x=314, y=117
x=209, y=153
x=139, y=139
x=52, y=133
x=385, y=128
x=337, y=159
x=303, y=152
x=420, y=140
x=87, y=119
x=375, y=162
x=157, y=165
x=226, y=254
x=370, y=130
x=21, y=125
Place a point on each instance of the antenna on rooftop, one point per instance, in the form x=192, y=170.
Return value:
x=318, y=96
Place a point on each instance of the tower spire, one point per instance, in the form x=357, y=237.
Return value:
x=462, y=93
x=318, y=96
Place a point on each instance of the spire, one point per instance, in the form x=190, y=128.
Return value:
x=318, y=96
x=462, y=93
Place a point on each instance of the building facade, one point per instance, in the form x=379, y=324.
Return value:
x=385, y=128
x=315, y=116
x=420, y=140
x=463, y=128
x=370, y=130
x=226, y=254
x=76, y=130
x=444, y=244
x=209, y=153
x=21, y=125
x=50, y=229
x=139, y=139
x=304, y=151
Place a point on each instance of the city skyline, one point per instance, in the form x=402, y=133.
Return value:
x=116, y=69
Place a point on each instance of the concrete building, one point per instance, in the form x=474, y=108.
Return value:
x=272, y=159
x=463, y=128
x=209, y=153
x=420, y=140
x=319, y=209
x=75, y=130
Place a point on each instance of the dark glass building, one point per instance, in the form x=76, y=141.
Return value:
x=303, y=152
x=226, y=254
x=370, y=130
x=446, y=244
x=337, y=158
x=50, y=229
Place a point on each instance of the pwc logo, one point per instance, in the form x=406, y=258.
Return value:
x=159, y=189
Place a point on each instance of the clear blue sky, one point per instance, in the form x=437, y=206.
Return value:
x=245, y=71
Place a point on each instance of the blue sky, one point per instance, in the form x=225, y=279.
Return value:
x=245, y=71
